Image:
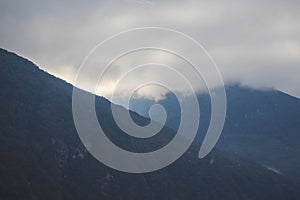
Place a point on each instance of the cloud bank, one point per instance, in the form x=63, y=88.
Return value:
x=254, y=43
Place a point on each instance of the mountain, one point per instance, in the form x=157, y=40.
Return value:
x=262, y=126
x=42, y=156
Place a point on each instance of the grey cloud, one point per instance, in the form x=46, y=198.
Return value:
x=255, y=43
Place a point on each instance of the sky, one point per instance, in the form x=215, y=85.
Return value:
x=253, y=43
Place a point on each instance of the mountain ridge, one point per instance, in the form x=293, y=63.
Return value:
x=42, y=156
x=260, y=125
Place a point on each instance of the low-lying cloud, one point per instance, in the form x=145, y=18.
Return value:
x=254, y=43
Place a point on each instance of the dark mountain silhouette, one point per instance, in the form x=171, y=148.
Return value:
x=41, y=156
x=262, y=126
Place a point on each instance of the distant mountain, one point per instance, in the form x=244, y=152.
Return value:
x=263, y=126
x=41, y=156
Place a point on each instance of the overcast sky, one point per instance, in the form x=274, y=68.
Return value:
x=255, y=43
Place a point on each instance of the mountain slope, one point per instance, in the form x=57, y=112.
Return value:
x=262, y=126
x=42, y=157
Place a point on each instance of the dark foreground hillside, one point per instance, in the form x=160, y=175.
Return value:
x=41, y=156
